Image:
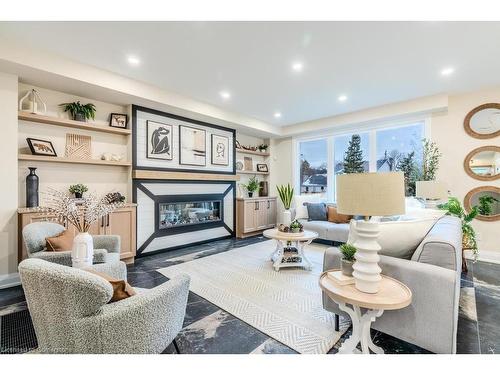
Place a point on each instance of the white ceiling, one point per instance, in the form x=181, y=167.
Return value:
x=373, y=63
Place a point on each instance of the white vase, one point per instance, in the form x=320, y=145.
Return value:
x=287, y=217
x=83, y=250
x=366, y=269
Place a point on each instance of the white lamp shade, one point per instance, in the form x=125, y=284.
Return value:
x=431, y=190
x=371, y=194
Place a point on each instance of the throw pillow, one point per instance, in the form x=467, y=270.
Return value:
x=316, y=211
x=298, y=203
x=121, y=289
x=335, y=217
x=398, y=239
x=61, y=242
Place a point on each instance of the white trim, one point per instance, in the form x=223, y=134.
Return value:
x=9, y=280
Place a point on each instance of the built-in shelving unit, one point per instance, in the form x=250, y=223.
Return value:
x=54, y=159
x=252, y=172
x=26, y=116
x=250, y=152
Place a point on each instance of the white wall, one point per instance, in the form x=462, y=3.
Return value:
x=8, y=186
x=448, y=132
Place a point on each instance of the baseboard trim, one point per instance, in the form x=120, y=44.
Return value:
x=485, y=256
x=9, y=280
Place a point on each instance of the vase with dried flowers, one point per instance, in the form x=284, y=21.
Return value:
x=82, y=215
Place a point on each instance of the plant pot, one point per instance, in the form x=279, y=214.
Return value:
x=287, y=217
x=82, y=253
x=346, y=267
x=78, y=195
x=250, y=194
x=295, y=230
x=80, y=117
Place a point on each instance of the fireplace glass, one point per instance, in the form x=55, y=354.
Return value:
x=188, y=213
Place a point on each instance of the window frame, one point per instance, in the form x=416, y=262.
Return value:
x=370, y=128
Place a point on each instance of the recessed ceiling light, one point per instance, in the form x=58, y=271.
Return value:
x=225, y=95
x=342, y=98
x=297, y=66
x=133, y=60
x=447, y=71
x=277, y=114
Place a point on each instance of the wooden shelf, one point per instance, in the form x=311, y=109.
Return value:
x=26, y=116
x=243, y=151
x=252, y=172
x=53, y=159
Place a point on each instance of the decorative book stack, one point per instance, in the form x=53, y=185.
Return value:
x=340, y=278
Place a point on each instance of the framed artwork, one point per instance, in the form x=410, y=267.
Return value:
x=248, y=163
x=262, y=168
x=220, y=150
x=41, y=147
x=193, y=146
x=118, y=120
x=159, y=141
x=78, y=146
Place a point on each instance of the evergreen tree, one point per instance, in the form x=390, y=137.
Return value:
x=353, y=157
x=408, y=167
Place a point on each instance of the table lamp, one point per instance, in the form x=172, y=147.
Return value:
x=431, y=192
x=369, y=194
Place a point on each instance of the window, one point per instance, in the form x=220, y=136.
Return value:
x=313, y=167
x=340, y=146
x=393, y=145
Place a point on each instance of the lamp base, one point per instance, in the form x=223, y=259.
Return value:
x=366, y=269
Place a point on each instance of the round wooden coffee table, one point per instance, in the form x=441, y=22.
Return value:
x=393, y=295
x=290, y=248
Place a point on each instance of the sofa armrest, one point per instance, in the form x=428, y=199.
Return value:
x=110, y=243
x=144, y=323
x=64, y=257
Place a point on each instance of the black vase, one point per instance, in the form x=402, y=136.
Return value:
x=32, y=188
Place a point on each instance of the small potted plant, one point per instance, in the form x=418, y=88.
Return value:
x=296, y=227
x=286, y=195
x=348, y=252
x=263, y=147
x=78, y=190
x=252, y=186
x=80, y=112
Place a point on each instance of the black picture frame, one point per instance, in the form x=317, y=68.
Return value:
x=262, y=168
x=212, y=149
x=148, y=145
x=180, y=146
x=117, y=126
x=32, y=146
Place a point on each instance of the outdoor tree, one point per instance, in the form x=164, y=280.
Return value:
x=407, y=165
x=353, y=157
x=305, y=170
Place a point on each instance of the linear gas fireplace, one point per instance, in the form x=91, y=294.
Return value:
x=172, y=215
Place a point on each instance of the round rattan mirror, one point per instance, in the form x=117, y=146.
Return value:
x=487, y=199
x=483, y=122
x=483, y=163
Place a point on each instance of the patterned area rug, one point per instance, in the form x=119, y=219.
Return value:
x=285, y=305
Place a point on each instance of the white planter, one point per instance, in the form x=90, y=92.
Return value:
x=83, y=250
x=287, y=217
x=366, y=269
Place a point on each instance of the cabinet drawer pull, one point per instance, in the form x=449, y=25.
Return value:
x=107, y=223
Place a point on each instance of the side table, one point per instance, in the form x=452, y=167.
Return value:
x=393, y=295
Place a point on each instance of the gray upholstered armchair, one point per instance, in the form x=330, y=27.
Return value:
x=71, y=314
x=106, y=247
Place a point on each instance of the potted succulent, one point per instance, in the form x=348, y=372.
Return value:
x=80, y=112
x=348, y=252
x=263, y=147
x=252, y=186
x=296, y=227
x=78, y=190
x=286, y=195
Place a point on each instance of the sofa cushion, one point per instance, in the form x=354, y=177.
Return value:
x=316, y=211
x=335, y=217
x=121, y=289
x=320, y=227
x=398, y=239
x=61, y=242
x=300, y=208
x=327, y=230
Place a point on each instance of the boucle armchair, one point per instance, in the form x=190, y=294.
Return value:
x=106, y=247
x=71, y=314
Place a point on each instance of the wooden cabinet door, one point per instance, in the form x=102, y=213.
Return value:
x=250, y=216
x=261, y=214
x=122, y=223
x=271, y=212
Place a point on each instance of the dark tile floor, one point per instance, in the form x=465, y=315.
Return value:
x=208, y=329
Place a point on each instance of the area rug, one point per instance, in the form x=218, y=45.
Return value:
x=285, y=305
